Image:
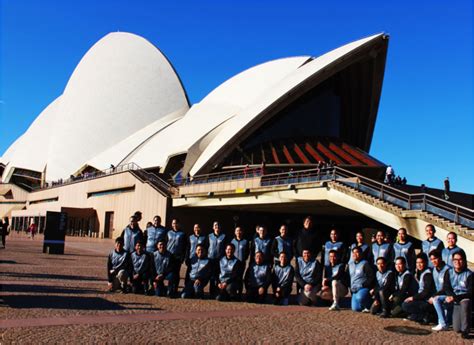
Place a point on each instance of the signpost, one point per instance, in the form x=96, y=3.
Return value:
x=55, y=232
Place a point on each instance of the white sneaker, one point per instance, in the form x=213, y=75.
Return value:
x=365, y=310
x=439, y=328
x=334, y=306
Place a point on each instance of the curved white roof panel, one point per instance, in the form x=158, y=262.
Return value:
x=121, y=85
x=244, y=120
x=30, y=151
x=217, y=107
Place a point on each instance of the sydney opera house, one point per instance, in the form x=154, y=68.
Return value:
x=290, y=136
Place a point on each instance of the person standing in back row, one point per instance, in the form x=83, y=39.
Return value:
x=308, y=238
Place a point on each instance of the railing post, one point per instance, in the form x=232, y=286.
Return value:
x=409, y=202
x=334, y=174
x=456, y=215
x=381, y=193
x=424, y=202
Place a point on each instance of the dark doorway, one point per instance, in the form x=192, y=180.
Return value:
x=109, y=225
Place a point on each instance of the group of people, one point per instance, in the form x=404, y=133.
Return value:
x=386, y=279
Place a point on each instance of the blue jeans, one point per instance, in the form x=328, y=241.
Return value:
x=360, y=300
x=443, y=310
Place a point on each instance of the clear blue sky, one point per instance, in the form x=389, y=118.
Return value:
x=425, y=125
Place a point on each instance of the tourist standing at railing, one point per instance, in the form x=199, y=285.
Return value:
x=263, y=244
x=389, y=175
x=131, y=235
x=364, y=247
x=447, y=254
x=282, y=243
x=447, y=188
x=405, y=249
x=155, y=233
x=177, y=247
x=308, y=238
x=217, y=243
x=431, y=243
x=380, y=248
x=332, y=244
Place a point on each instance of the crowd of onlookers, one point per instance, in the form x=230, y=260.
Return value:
x=383, y=278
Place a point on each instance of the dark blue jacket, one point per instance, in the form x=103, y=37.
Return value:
x=216, y=246
x=258, y=276
x=154, y=235
x=361, y=275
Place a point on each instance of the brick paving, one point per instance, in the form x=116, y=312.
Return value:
x=62, y=299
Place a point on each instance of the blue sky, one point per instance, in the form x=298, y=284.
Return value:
x=425, y=125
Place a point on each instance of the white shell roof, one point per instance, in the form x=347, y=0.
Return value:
x=243, y=120
x=216, y=108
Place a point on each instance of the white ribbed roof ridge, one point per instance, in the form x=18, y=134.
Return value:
x=122, y=84
x=217, y=107
x=242, y=122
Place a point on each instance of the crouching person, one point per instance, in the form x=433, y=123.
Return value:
x=282, y=279
x=385, y=285
x=198, y=275
x=308, y=275
x=229, y=275
x=141, y=269
x=334, y=280
x=405, y=286
x=417, y=306
x=163, y=270
x=362, y=279
x=119, y=267
x=257, y=279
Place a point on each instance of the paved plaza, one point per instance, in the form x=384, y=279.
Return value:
x=62, y=299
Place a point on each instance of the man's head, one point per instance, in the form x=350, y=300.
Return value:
x=133, y=222
x=306, y=255
x=421, y=262
x=452, y=239
x=333, y=257
x=356, y=254
x=435, y=258
x=402, y=235
x=459, y=261
x=200, y=251
x=259, y=258
x=119, y=244
x=381, y=264
x=308, y=223
x=380, y=236
x=283, y=257
x=139, y=247
x=283, y=230
x=161, y=246
x=229, y=250
x=400, y=264
x=262, y=232
x=175, y=224
x=334, y=235
x=238, y=232
x=360, y=237
x=216, y=227
x=430, y=231
x=156, y=221
x=197, y=230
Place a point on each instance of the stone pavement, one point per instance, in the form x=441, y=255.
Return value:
x=62, y=299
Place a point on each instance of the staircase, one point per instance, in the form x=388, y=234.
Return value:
x=160, y=185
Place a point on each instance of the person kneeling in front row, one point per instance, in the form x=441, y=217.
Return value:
x=385, y=285
x=119, y=267
x=362, y=280
x=229, y=275
x=257, y=279
x=334, y=280
x=308, y=275
x=199, y=274
x=282, y=279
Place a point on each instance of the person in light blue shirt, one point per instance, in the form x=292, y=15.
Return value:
x=229, y=275
x=257, y=279
x=198, y=274
x=431, y=243
x=334, y=281
x=308, y=274
x=217, y=243
x=155, y=233
x=440, y=274
x=282, y=279
x=176, y=245
x=132, y=234
x=141, y=262
x=364, y=247
x=333, y=244
x=262, y=243
x=380, y=248
x=452, y=247
x=282, y=243
x=361, y=281
x=406, y=249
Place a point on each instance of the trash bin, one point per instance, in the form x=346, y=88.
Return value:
x=55, y=232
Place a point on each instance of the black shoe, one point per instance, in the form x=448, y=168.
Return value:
x=465, y=335
x=384, y=315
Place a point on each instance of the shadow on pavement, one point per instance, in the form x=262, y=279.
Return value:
x=408, y=330
x=7, y=262
x=49, y=276
x=60, y=302
x=45, y=289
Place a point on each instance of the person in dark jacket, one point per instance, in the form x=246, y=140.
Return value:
x=417, y=306
x=229, y=275
x=176, y=245
x=132, y=234
x=282, y=243
x=257, y=279
x=119, y=267
x=308, y=238
x=458, y=290
x=406, y=249
x=217, y=243
x=263, y=244
x=405, y=286
x=155, y=233
x=431, y=243
x=447, y=253
x=332, y=244
x=282, y=279
x=141, y=269
x=384, y=288
x=163, y=270
x=198, y=274
x=362, y=280
x=308, y=274
x=334, y=280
